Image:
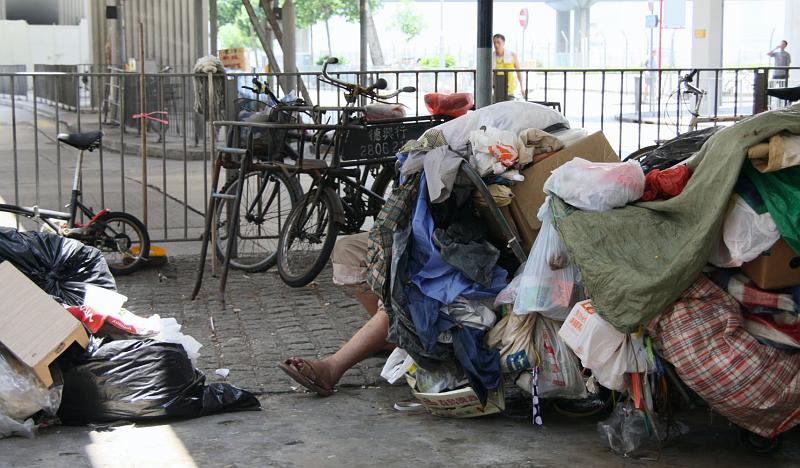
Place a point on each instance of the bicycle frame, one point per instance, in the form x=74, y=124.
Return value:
x=75, y=204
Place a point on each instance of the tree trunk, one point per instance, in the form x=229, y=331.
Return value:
x=328, y=35
x=374, y=43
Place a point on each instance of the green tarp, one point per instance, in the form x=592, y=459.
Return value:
x=636, y=260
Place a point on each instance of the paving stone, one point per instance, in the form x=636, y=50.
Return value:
x=264, y=321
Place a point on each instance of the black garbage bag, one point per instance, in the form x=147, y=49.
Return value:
x=677, y=149
x=61, y=267
x=139, y=380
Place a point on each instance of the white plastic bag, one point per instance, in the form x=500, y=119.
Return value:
x=548, y=282
x=383, y=111
x=560, y=370
x=609, y=353
x=493, y=150
x=513, y=335
x=22, y=395
x=448, y=376
x=745, y=235
x=397, y=364
x=597, y=186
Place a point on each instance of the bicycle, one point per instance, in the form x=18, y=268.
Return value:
x=109, y=231
x=266, y=195
x=338, y=199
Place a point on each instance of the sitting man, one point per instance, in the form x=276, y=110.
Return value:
x=349, y=270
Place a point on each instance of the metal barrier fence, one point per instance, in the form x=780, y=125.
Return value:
x=633, y=107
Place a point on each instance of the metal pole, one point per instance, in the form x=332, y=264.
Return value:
x=289, y=47
x=120, y=34
x=363, y=6
x=142, y=124
x=483, y=71
x=212, y=18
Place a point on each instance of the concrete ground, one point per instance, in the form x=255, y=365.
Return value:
x=264, y=322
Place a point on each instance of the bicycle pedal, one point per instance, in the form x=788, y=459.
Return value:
x=223, y=195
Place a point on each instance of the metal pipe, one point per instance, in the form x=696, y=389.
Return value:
x=483, y=62
x=142, y=124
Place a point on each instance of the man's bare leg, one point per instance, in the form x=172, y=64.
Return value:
x=369, y=300
x=368, y=340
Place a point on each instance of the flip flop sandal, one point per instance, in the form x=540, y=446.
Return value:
x=302, y=372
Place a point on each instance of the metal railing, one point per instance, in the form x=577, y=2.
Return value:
x=633, y=107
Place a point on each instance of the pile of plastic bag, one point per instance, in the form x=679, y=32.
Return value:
x=136, y=368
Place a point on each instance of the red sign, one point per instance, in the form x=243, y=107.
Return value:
x=523, y=18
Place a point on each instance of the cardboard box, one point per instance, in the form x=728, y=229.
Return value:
x=461, y=403
x=529, y=194
x=235, y=59
x=33, y=327
x=778, y=267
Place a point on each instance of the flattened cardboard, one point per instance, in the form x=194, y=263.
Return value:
x=34, y=327
x=529, y=194
x=777, y=268
x=461, y=403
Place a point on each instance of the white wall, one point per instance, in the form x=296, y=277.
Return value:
x=38, y=44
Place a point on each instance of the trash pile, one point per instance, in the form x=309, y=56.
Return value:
x=677, y=271
x=70, y=353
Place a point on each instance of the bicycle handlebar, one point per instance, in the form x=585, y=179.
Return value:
x=370, y=90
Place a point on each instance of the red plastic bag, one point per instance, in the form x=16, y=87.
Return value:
x=663, y=185
x=451, y=105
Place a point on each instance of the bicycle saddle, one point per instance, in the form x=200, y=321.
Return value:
x=787, y=94
x=82, y=141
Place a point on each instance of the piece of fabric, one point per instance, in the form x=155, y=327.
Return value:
x=513, y=116
x=769, y=332
x=468, y=252
x=636, y=260
x=501, y=193
x=394, y=215
x=474, y=314
x=428, y=352
x=782, y=151
x=535, y=142
x=349, y=259
x=781, y=192
x=432, y=138
x=756, y=387
x=748, y=294
x=663, y=185
x=436, y=278
x=441, y=166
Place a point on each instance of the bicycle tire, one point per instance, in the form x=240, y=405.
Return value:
x=641, y=152
x=382, y=182
x=126, y=265
x=308, y=266
x=258, y=261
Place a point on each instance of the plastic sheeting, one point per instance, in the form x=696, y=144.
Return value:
x=142, y=379
x=61, y=267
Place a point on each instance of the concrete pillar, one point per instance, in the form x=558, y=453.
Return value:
x=707, y=47
x=580, y=21
x=791, y=32
x=2, y=9
x=289, y=45
x=213, y=20
x=483, y=62
x=363, y=12
x=563, y=37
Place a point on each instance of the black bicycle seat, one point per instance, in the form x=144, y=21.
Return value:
x=787, y=94
x=82, y=141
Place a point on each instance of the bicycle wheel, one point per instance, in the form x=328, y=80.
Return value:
x=123, y=241
x=383, y=186
x=267, y=199
x=307, y=238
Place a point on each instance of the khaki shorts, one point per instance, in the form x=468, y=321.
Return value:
x=349, y=260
